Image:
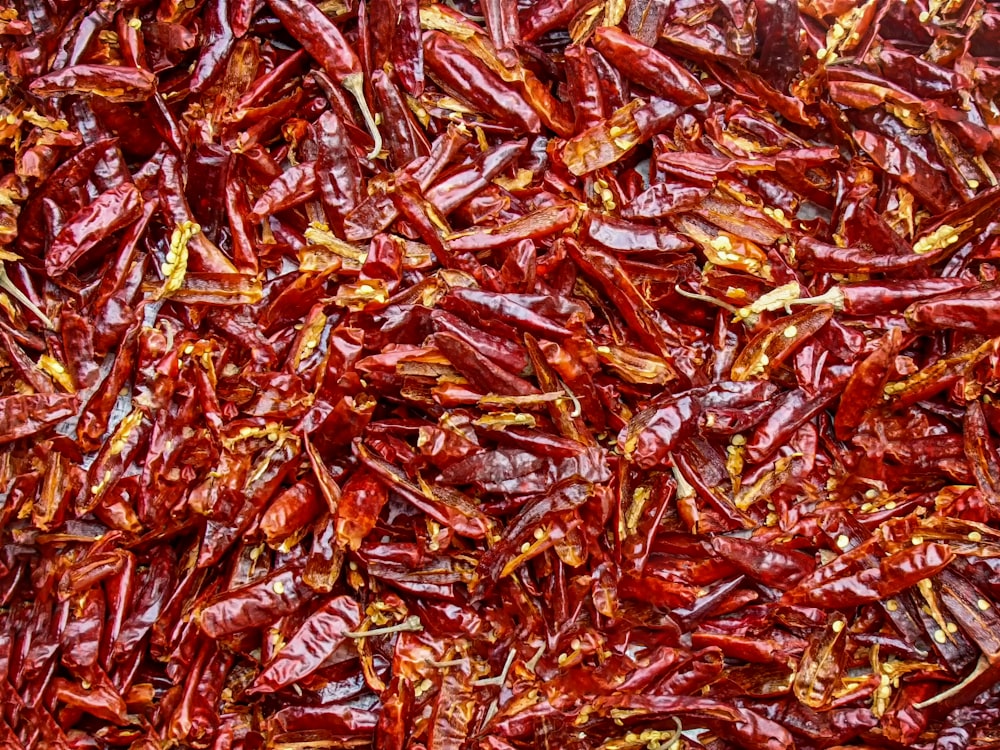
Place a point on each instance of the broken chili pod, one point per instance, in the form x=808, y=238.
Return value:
x=25, y=415
x=541, y=223
x=981, y=452
x=775, y=343
x=113, y=82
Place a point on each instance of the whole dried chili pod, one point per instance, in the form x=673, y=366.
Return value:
x=110, y=212
x=472, y=81
x=317, y=638
x=402, y=135
x=113, y=82
x=649, y=67
x=864, y=387
x=260, y=602
x=321, y=38
x=972, y=309
x=867, y=298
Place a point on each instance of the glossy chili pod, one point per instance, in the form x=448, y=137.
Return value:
x=654, y=432
x=772, y=566
x=451, y=509
x=257, y=604
x=289, y=514
x=972, y=309
x=321, y=38
x=457, y=186
x=403, y=137
x=648, y=67
x=375, y=213
x=877, y=298
x=894, y=574
x=822, y=256
x=110, y=212
x=795, y=408
x=326, y=628
x=114, y=82
x=864, y=387
x=911, y=169
x=295, y=186
x=470, y=80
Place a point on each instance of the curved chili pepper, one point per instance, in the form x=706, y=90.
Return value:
x=323, y=41
x=311, y=644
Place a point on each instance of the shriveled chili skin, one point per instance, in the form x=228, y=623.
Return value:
x=648, y=67
x=469, y=79
x=972, y=309
x=110, y=212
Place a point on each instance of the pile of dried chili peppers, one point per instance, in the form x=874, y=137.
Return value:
x=608, y=374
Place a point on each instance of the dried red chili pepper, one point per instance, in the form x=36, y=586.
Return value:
x=645, y=377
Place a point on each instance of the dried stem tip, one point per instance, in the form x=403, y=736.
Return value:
x=7, y=285
x=411, y=624
x=355, y=85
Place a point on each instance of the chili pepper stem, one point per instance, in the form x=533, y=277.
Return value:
x=491, y=711
x=833, y=297
x=577, y=408
x=671, y=743
x=355, y=85
x=7, y=285
x=410, y=624
x=502, y=677
x=533, y=661
x=706, y=298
